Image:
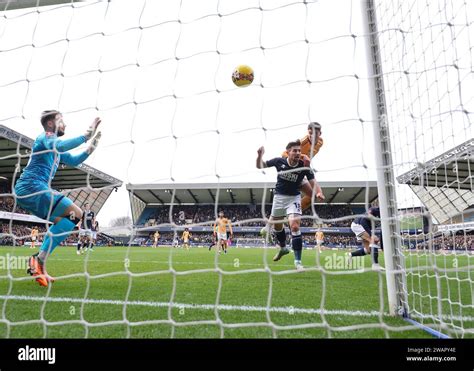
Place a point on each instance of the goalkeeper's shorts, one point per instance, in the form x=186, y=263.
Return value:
x=41, y=200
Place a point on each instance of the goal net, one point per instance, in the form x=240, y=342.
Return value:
x=426, y=59
x=249, y=242
x=391, y=83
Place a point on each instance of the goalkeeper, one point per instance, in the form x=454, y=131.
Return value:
x=34, y=193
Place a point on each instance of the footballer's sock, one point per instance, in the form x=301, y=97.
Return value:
x=79, y=246
x=56, y=234
x=375, y=254
x=359, y=252
x=297, y=244
x=281, y=237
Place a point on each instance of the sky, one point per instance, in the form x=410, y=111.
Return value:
x=159, y=76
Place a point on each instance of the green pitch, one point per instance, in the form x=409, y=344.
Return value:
x=411, y=222
x=118, y=305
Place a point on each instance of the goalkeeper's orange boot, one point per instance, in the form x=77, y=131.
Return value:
x=36, y=270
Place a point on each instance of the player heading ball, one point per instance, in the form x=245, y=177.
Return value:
x=287, y=199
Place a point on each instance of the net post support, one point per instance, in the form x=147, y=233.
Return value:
x=394, y=263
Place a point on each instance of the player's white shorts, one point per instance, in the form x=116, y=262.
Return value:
x=85, y=232
x=94, y=235
x=33, y=238
x=221, y=236
x=284, y=205
x=358, y=230
x=319, y=242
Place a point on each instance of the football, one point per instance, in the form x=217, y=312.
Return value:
x=242, y=75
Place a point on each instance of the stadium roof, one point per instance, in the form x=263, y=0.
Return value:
x=15, y=4
x=445, y=183
x=244, y=193
x=15, y=148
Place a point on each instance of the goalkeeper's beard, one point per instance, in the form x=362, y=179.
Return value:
x=59, y=131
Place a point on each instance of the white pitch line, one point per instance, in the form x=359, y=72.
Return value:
x=175, y=262
x=243, y=308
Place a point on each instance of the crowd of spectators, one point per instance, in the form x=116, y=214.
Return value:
x=8, y=204
x=443, y=242
x=20, y=233
x=328, y=214
x=245, y=215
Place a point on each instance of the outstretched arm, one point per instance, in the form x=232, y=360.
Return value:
x=66, y=144
x=260, y=164
x=74, y=160
x=319, y=192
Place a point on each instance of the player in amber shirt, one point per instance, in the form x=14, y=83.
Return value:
x=319, y=239
x=220, y=226
x=310, y=146
x=34, y=237
x=185, y=238
x=156, y=237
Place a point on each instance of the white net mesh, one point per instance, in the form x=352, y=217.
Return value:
x=426, y=53
x=159, y=76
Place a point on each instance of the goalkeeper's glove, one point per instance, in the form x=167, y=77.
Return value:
x=94, y=143
x=93, y=128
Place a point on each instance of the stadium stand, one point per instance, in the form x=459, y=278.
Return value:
x=195, y=206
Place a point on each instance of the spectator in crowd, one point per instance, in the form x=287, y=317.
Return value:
x=246, y=215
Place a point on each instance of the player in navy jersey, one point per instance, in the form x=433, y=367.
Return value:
x=287, y=197
x=95, y=230
x=362, y=227
x=34, y=193
x=87, y=222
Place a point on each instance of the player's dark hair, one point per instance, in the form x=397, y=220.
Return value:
x=293, y=144
x=315, y=125
x=375, y=211
x=48, y=115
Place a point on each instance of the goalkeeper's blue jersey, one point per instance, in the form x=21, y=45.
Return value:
x=47, y=152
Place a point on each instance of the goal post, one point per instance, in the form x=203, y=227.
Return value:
x=385, y=175
x=421, y=91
